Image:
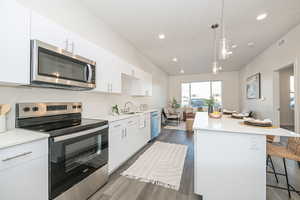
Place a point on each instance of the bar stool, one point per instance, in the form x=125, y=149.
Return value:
x=270, y=139
x=291, y=152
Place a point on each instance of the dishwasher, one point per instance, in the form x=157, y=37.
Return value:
x=154, y=125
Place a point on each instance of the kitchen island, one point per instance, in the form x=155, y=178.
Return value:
x=230, y=158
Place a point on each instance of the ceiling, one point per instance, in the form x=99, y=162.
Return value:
x=186, y=25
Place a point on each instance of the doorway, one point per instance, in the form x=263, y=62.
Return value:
x=286, y=98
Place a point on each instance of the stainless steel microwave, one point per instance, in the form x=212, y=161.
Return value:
x=55, y=67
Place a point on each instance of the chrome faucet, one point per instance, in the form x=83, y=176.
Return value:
x=126, y=108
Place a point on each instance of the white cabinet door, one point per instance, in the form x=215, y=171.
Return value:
x=15, y=42
x=82, y=47
x=108, y=73
x=117, y=146
x=104, y=71
x=27, y=181
x=49, y=32
x=148, y=84
x=132, y=136
x=116, y=76
x=147, y=131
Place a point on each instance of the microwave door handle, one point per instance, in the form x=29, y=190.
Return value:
x=89, y=73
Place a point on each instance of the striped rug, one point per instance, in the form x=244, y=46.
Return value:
x=161, y=164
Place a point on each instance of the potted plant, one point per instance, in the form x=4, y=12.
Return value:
x=115, y=110
x=174, y=104
x=210, y=104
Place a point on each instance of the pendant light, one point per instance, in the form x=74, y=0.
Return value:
x=215, y=64
x=224, y=46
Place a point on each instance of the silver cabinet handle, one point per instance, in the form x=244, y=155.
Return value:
x=67, y=44
x=123, y=133
x=72, y=47
x=17, y=156
x=117, y=125
x=108, y=87
x=111, y=87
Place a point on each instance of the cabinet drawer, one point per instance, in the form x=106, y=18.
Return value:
x=114, y=126
x=132, y=121
x=16, y=155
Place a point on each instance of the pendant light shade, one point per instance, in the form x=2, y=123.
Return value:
x=215, y=64
x=215, y=68
x=223, y=49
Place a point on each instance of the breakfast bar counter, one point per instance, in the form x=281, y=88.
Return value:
x=230, y=158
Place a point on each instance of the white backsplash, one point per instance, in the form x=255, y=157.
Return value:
x=93, y=103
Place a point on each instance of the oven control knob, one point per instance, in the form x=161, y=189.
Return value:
x=74, y=107
x=35, y=109
x=79, y=107
x=26, y=109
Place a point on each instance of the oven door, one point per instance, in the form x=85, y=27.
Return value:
x=75, y=156
x=55, y=66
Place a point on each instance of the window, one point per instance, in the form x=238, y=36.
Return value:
x=292, y=92
x=195, y=93
x=185, y=94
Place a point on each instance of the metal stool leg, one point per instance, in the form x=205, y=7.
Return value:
x=273, y=168
x=286, y=177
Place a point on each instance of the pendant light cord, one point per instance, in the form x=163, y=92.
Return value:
x=215, y=45
x=214, y=27
x=222, y=18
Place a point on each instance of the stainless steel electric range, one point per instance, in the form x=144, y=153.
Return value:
x=78, y=148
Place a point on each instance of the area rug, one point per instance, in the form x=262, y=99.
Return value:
x=162, y=164
x=181, y=126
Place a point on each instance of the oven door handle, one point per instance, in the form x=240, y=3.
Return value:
x=78, y=134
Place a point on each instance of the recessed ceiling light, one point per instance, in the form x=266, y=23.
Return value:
x=182, y=71
x=250, y=44
x=234, y=46
x=229, y=52
x=175, y=59
x=161, y=36
x=261, y=16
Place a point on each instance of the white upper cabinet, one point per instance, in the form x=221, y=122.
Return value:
x=25, y=25
x=142, y=85
x=148, y=85
x=116, y=81
x=49, y=32
x=108, y=73
x=15, y=45
x=82, y=47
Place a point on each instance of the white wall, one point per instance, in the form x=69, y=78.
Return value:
x=76, y=18
x=230, y=84
x=266, y=63
x=286, y=113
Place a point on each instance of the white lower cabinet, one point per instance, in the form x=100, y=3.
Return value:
x=24, y=172
x=117, y=143
x=126, y=137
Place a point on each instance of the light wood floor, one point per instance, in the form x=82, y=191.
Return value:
x=121, y=188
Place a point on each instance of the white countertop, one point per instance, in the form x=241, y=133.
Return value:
x=19, y=136
x=228, y=124
x=112, y=118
